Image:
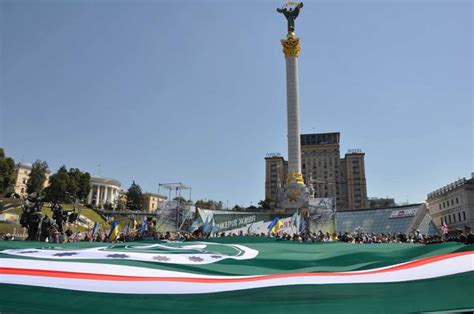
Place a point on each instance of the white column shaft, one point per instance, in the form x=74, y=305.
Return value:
x=293, y=107
x=97, y=196
x=89, y=196
x=106, y=194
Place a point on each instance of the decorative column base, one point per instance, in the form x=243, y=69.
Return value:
x=295, y=177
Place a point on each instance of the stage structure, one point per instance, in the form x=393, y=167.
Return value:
x=177, y=212
x=294, y=194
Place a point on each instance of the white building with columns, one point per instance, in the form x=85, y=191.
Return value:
x=103, y=191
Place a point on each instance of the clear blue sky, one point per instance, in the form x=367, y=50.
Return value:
x=194, y=91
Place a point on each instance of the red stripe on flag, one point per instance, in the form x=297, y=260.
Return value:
x=92, y=276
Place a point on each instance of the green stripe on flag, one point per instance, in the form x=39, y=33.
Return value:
x=441, y=294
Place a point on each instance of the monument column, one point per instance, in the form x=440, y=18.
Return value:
x=291, y=49
x=294, y=194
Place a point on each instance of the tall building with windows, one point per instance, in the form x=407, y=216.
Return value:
x=276, y=171
x=453, y=204
x=320, y=163
x=342, y=179
x=353, y=182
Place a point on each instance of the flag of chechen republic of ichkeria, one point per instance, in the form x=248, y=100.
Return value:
x=234, y=275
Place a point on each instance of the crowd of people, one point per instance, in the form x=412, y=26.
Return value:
x=357, y=236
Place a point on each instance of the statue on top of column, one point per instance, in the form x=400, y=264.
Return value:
x=291, y=14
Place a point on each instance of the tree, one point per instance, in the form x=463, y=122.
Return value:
x=79, y=183
x=57, y=191
x=268, y=203
x=180, y=200
x=209, y=204
x=135, y=199
x=37, y=177
x=67, y=186
x=7, y=172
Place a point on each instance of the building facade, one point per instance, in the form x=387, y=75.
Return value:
x=352, y=181
x=152, y=200
x=333, y=177
x=380, y=202
x=453, y=204
x=22, y=174
x=276, y=171
x=103, y=191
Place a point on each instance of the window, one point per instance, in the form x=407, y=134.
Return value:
x=459, y=216
x=464, y=216
x=452, y=202
x=441, y=220
x=439, y=206
x=454, y=217
x=457, y=200
x=449, y=216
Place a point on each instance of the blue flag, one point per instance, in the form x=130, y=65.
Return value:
x=206, y=228
x=196, y=224
x=95, y=229
x=144, y=227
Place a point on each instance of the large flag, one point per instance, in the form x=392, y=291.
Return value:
x=254, y=276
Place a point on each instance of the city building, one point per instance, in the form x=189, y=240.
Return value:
x=379, y=202
x=22, y=174
x=401, y=219
x=353, y=192
x=320, y=163
x=103, y=191
x=331, y=176
x=276, y=171
x=453, y=204
x=152, y=200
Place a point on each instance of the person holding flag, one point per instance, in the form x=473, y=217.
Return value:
x=95, y=229
x=275, y=225
x=114, y=231
x=295, y=220
x=144, y=227
x=445, y=230
x=196, y=225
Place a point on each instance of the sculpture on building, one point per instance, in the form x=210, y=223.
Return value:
x=31, y=216
x=291, y=14
x=59, y=216
x=47, y=225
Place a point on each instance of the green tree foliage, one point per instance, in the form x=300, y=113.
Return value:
x=135, y=199
x=209, y=204
x=181, y=200
x=80, y=183
x=238, y=208
x=7, y=172
x=67, y=186
x=37, y=177
x=268, y=203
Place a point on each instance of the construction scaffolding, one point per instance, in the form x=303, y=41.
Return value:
x=176, y=213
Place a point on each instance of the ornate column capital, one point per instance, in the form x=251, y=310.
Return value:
x=291, y=45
